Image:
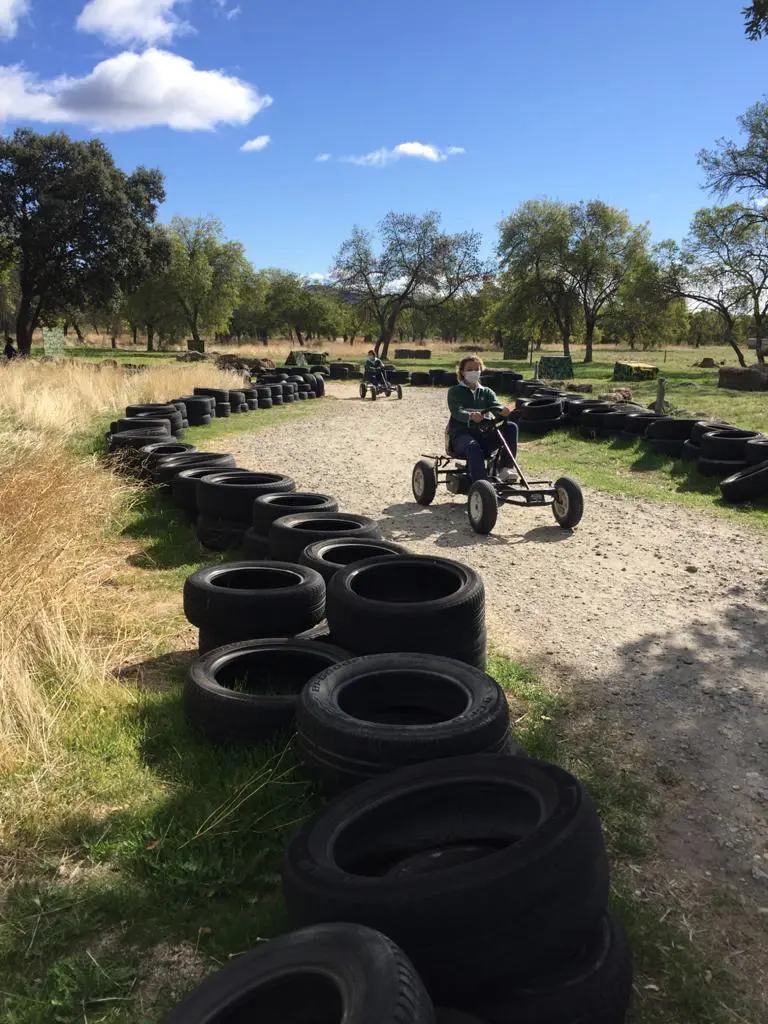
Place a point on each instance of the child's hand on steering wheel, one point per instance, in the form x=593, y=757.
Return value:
x=505, y=410
x=476, y=417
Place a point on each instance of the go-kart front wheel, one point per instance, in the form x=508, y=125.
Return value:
x=424, y=481
x=482, y=506
x=399, y=390
x=568, y=506
x=374, y=393
x=363, y=390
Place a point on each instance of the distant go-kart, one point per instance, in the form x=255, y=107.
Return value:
x=484, y=496
x=379, y=387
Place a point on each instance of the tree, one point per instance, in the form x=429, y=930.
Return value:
x=76, y=226
x=417, y=267
x=204, y=274
x=742, y=169
x=644, y=312
x=756, y=19
x=151, y=306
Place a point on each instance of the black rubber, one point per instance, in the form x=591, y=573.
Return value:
x=690, y=451
x=756, y=451
x=666, y=428
x=136, y=439
x=729, y=445
x=328, y=973
x=328, y=556
x=290, y=534
x=749, y=484
x=592, y=985
x=482, y=868
x=247, y=692
x=667, y=446
x=141, y=423
x=568, y=513
x=543, y=409
x=702, y=427
x=265, y=403
x=424, y=481
x=269, y=507
x=219, y=534
x=638, y=423
x=151, y=454
x=233, y=497
x=373, y=715
x=184, y=483
x=167, y=468
x=721, y=468
x=251, y=600
x=223, y=410
x=255, y=546
x=217, y=394
x=409, y=603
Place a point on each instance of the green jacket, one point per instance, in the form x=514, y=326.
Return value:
x=371, y=365
x=462, y=400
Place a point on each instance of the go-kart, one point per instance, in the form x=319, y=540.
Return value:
x=484, y=496
x=380, y=386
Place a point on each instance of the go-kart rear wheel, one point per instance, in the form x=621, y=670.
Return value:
x=388, y=392
x=424, y=481
x=482, y=506
x=399, y=390
x=374, y=393
x=363, y=390
x=568, y=506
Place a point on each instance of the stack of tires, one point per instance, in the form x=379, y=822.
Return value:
x=723, y=451
x=225, y=505
x=540, y=415
x=420, y=379
x=668, y=436
x=750, y=483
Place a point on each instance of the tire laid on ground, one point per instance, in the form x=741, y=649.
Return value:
x=149, y=456
x=577, y=409
x=756, y=451
x=166, y=469
x=290, y=534
x=254, y=545
x=236, y=400
x=223, y=410
x=269, y=507
x=217, y=394
x=265, y=403
x=319, y=385
x=134, y=423
x=254, y=600
x=420, y=379
x=137, y=439
x=702, y=427
x=637, y=423
x=248, y=692
x=543, y=409
x=691, y=452
x=424, y=481
x=730, y=445
x=217, y=534
x=747, y=485
x=720, y=468
x=233, y=498
x=328, y=556
x=331, y=972
x=374, y=715
x=666, y=446
x=667, y=428
x=409, y=603
x=184, y=482
x=482, y=868
x=592, y=985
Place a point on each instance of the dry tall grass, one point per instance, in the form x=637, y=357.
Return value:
x=63, y=398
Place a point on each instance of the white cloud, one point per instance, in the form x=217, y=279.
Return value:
x=318, y=278
x=235, y=12
x=255, y=145
x=11, y=12
x=129, y=91
x=322, y=158
x=421, y=150
x=132, y=21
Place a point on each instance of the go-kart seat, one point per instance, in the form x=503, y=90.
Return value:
x=448, y=449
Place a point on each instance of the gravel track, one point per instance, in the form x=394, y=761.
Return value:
x=653, y=616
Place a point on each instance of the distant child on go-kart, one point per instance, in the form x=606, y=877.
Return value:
x=374, y=370
x=467, y=401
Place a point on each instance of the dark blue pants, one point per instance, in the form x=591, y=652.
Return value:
x=476, y=447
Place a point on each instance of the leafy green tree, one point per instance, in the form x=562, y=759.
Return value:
x=417, y=266
x=151, y=307
x=756, y=19
x=76, y=226
x=741, y=168
x=643, y=312
x=204, y=274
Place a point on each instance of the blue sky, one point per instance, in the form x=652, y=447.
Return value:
x=491, y=103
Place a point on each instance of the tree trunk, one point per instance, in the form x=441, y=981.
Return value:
x=299, y=337
x=566, y=342
x=588, y=341
x=734, y=344
x=150, y=338
x=759, y=337
x=78, y=332
x=135, y=335
x=387, y=334
x=24, y=327
x=114, y=341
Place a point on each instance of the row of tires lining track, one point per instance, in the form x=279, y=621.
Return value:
x=737, y=458
x=464, y=873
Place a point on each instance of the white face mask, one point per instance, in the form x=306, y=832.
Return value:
x=472, y=376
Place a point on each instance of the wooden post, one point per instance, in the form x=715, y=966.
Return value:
x=661, y=391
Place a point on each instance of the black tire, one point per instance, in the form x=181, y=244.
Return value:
x=568, y=507
x=151, y=454
x=328, y=556
x=184, y=482
x=219, y=534
x=424, y=481
x=691, y=452
x=248, y=692
x=265, y=403
x=756, y=451
x=162, y=423
x=217, y=394
x=399, y=390
x=255, y=546
x=409, y=603
x=254, y=600
x=542, y=409
x=374, y=715
x=482, y=868
x=666, y=428
x=223, y=410
x=664, y=446
x=374, y=396
x=236, y=400
x=720, y=468
x=363, y=390
x=576, y=409
x=637, y=423
x=269, y=507
x=278, y=399
x=482, y=506
x=201, y=421
x=729, y=445
x=702, y=427
x=197, y=405
x=749, y=484
x=134, y=440
x=233, y=497
x=290, y=534
x=319, y=385
x=592, y=985
x=331, y=972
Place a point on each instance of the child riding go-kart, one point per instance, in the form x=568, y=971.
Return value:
x=375, y=379
x=480, y=460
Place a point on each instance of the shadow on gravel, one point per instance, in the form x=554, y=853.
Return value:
x=447, y=526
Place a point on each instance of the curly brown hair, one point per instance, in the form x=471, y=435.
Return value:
x=463, y=364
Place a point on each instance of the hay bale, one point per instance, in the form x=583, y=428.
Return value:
x=634, y=371
x=743, y=378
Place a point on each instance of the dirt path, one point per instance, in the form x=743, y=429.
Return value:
x=657, y=617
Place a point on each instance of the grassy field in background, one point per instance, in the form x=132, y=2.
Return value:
x=135, y=857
